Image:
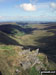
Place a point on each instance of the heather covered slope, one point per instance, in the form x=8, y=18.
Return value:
x=16, y=39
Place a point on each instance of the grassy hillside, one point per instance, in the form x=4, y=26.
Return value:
x=15, y=38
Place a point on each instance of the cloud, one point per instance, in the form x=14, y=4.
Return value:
x=28, y=7
x=53, y=5
x=33, y=7
x=2, y=17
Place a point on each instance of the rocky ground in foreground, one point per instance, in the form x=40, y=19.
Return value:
x=16, y=61
x=28, y=60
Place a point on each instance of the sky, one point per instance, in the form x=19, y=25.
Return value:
x=28, y=10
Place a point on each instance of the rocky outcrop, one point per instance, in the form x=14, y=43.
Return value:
x=28, y=59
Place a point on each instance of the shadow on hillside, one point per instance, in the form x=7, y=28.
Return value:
x=49, y=44
x=50, y=27
x=5, y=39
x=10, y=29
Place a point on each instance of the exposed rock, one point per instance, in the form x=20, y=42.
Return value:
x=25, y=64
x=37, y=50
x=36, y=61
x=30, y=59
x=24, y=52
x=21, y=47
x=17, y=71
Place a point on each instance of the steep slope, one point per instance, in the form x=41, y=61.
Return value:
x=5, y=39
